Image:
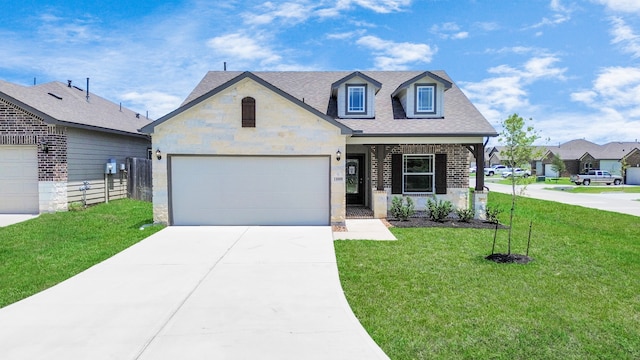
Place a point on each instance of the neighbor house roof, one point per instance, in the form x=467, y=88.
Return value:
x=314, y=88
x=60, y=104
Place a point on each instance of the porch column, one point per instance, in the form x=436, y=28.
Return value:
x=379, y=198
x=479, y=155
x=479, y=195
x=381, y=153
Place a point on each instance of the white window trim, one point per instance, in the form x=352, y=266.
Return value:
x=433, y=99
x=432, y=173
x=348, y=110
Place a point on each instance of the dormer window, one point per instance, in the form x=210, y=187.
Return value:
x=425, y=98
x=356, y=98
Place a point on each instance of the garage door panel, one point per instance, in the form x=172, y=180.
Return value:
x=227, y=190
x=18, y=179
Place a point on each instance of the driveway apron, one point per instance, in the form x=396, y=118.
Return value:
x=197, y=293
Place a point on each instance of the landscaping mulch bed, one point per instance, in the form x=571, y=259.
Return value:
x=448, y=223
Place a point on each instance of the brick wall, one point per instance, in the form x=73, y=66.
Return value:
x=20, y=127
x=457, y=162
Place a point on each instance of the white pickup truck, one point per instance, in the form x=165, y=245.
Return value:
x=495, y=169
x=596, y=176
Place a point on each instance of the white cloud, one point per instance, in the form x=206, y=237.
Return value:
x=378, y=6
x=346, y=35
x=506, y=92
x=56, y=29
x=389, y=55
x=561, y=14
x=244, y=47
x=162, y=103
x=487, y=26
x=449, y=30
x=615, y=88
x=629, y=6
x=288, y=12
x=624, y=35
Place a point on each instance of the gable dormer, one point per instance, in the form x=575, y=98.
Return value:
x=355, y=96
x=422, y=97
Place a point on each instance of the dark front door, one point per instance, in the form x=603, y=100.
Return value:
x=355, y=179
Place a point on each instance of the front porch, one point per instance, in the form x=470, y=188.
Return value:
x=359, y=212
x=375, y=173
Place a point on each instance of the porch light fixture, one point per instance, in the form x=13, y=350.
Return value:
x=158, y=154
x=45, y=147
x=338, y=155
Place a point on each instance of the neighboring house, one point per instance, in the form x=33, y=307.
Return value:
x=55, y=136
x=581, y=155
x=286, y=148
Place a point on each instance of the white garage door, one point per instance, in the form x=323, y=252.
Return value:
x=249, y=190
x=18, y=179
x=633, y=176
x=548, y=171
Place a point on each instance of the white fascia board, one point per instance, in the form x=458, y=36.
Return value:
x=393, y=140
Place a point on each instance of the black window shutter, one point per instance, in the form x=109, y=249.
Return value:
x=396, y=173
x=441, y=173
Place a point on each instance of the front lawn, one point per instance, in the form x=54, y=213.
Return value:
x=44, y=251
x=432, y=295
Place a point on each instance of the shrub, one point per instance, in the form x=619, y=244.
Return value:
x=492, y=214
x=75, y=206
x=402, y=208
x=439, y=210
x=465, y=215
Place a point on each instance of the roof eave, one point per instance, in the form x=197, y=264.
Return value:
x=148, y=129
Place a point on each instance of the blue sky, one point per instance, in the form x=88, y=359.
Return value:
x=571, y=66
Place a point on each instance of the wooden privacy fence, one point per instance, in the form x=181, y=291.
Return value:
x=139, y=182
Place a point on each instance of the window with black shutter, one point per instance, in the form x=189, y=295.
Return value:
x=418, y=174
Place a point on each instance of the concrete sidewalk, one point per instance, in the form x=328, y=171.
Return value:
x=197, y=293
x=10, y=219
x=364, y=229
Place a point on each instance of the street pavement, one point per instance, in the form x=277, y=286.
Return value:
x=624, y=203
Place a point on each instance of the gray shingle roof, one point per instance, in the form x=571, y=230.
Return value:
x=69, y=107
x=461, y=118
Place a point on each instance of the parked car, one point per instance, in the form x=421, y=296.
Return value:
x=473, y=170
x=517, y=172
x=596, y=176
x=494, y=169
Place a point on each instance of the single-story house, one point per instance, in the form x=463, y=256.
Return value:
x=56, y=136
x=274, y=148
x=582, y=155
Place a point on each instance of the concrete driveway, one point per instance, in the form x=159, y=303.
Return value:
x=197, y=293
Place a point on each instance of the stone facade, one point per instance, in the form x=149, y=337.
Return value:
x=213, y=127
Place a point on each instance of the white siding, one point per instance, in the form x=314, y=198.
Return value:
x=342, y=99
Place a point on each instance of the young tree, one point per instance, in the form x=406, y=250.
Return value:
x=517, y=138
x=558, y=165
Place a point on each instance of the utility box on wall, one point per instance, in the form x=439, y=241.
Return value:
x=111, y=167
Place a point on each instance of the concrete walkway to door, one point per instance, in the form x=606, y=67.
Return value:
x=197, y=293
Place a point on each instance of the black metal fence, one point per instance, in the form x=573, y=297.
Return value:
x=139, y=184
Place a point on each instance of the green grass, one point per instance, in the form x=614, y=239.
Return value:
x=44, y=251
x=431, y=294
